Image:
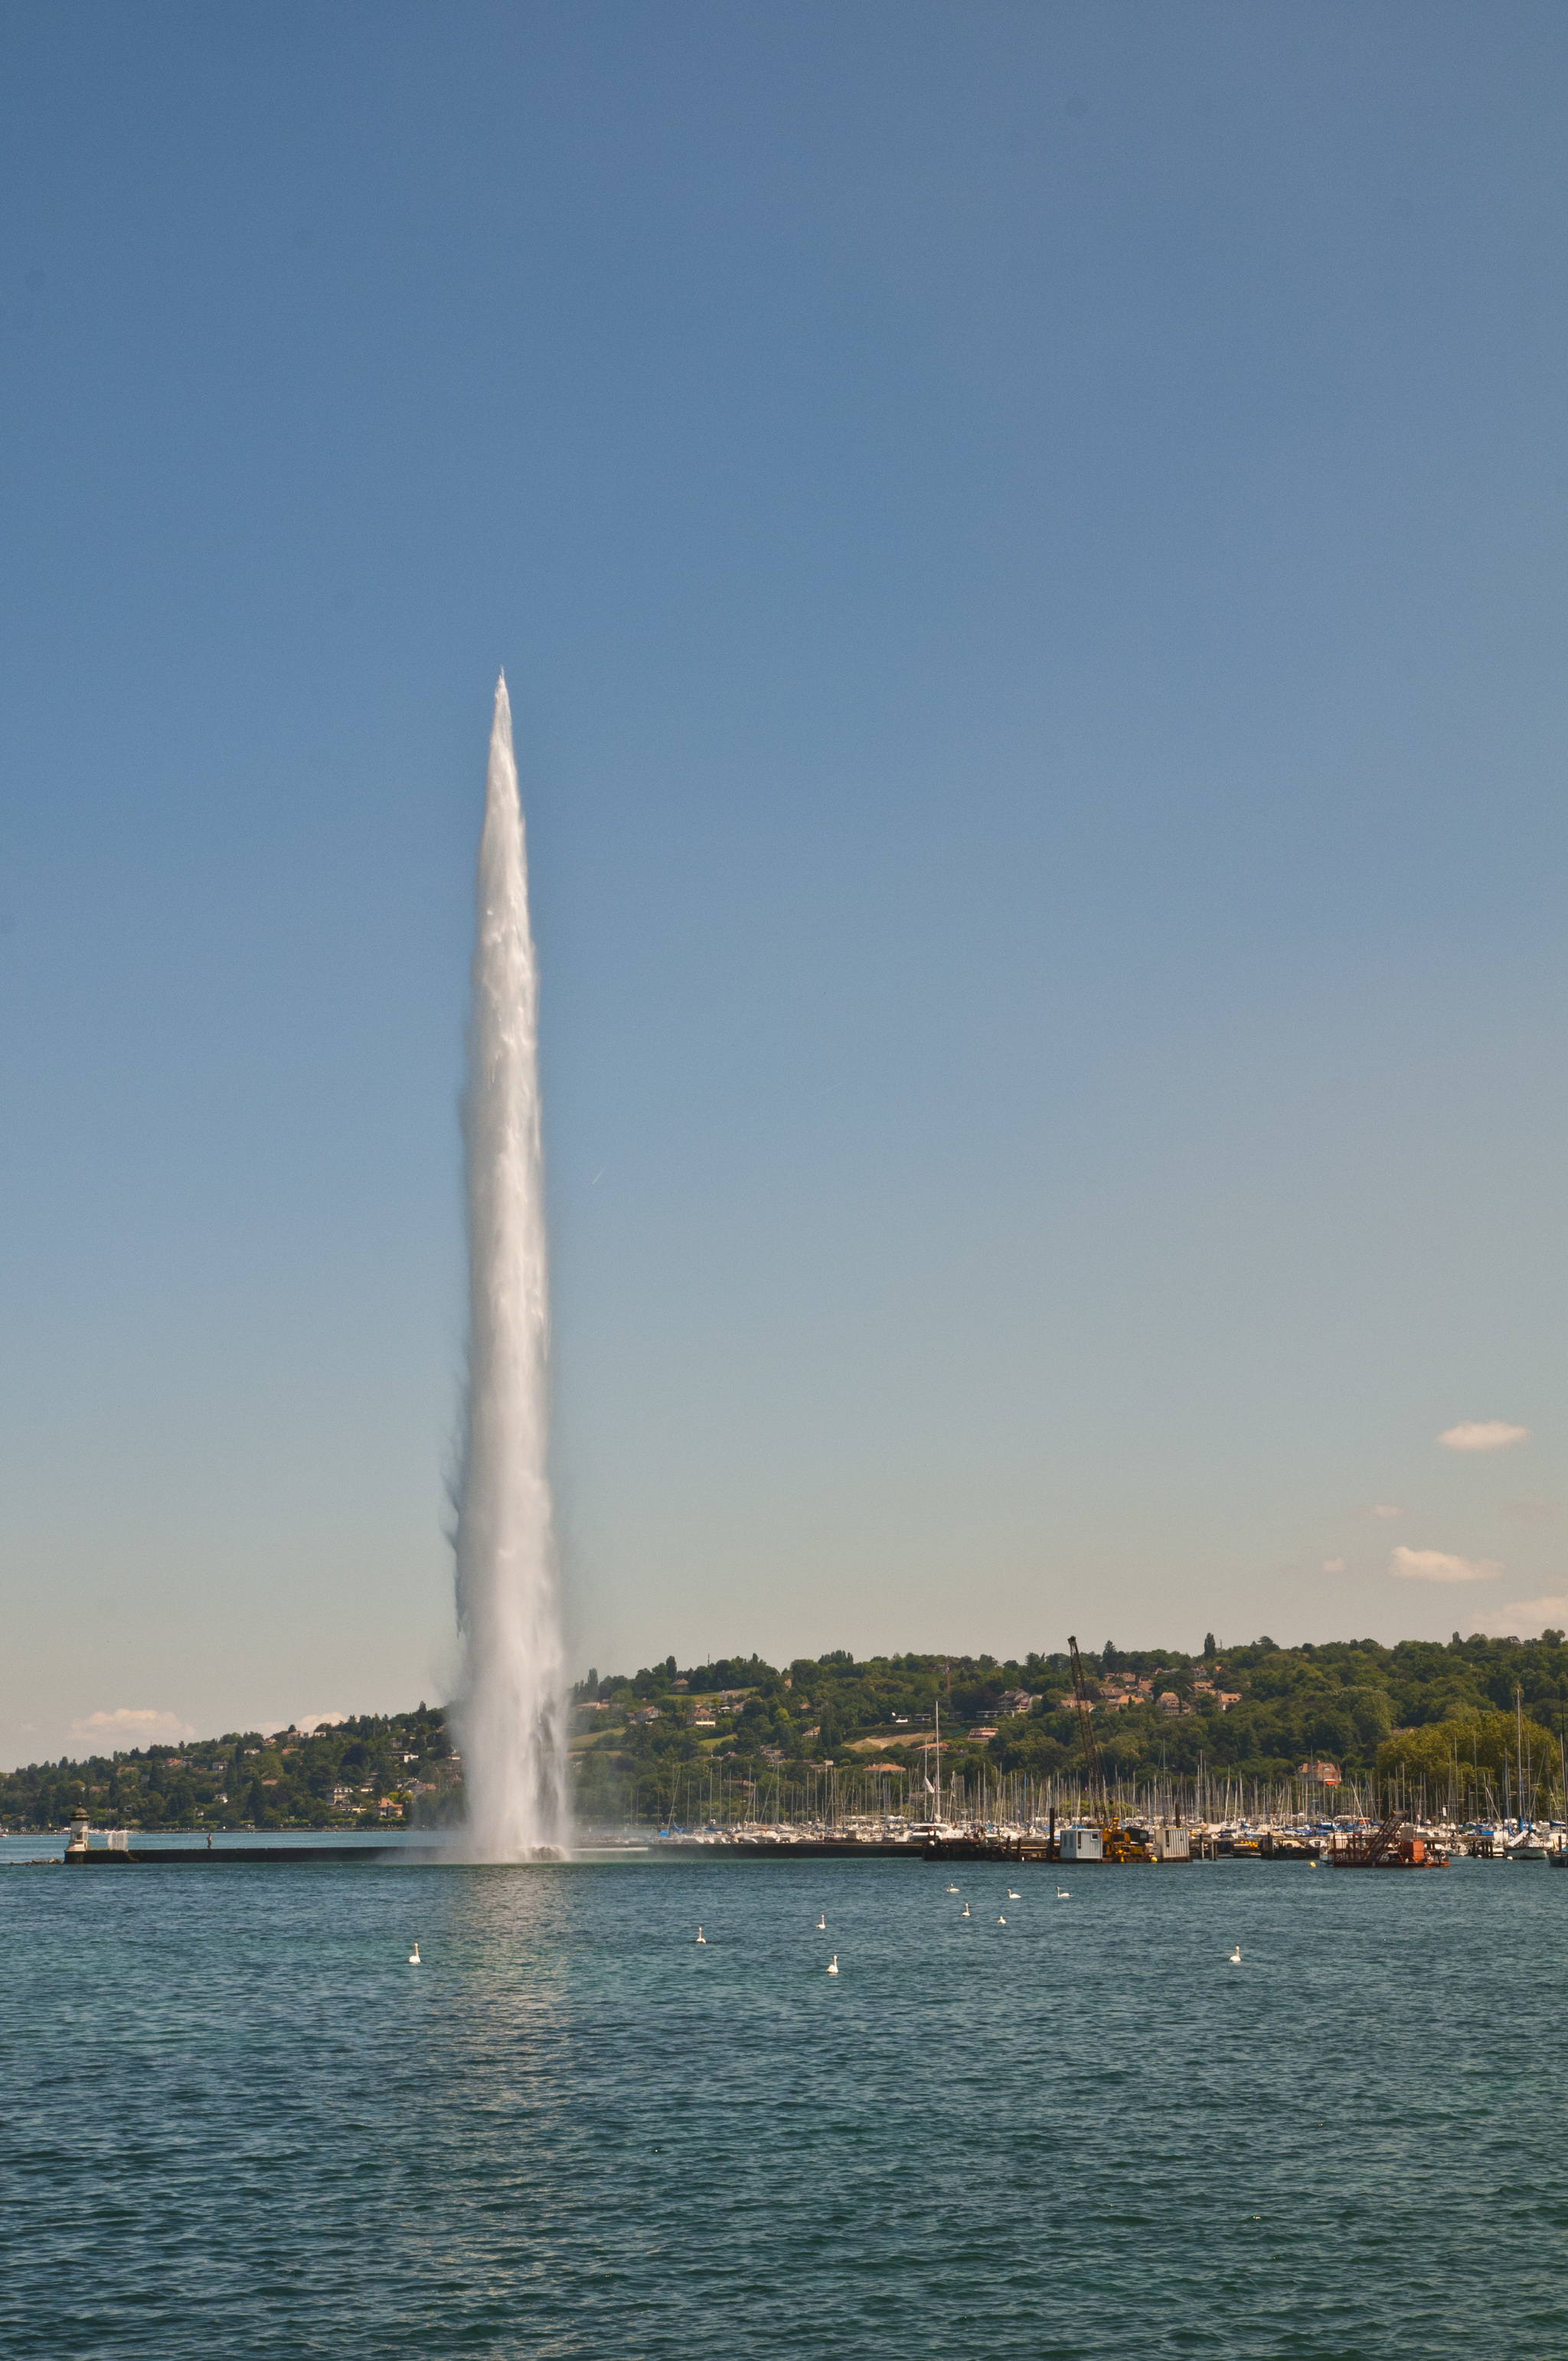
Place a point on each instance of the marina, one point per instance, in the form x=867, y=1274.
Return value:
x=1393, y=1841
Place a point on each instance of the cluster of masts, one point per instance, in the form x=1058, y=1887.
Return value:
x=859, y=1802
x=1322, y=1838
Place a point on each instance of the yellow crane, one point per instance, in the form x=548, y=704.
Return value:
x=1116, y=1843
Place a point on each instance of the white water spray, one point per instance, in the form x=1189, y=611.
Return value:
x=512, y=1717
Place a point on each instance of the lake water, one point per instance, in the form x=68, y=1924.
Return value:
x=237, y=2122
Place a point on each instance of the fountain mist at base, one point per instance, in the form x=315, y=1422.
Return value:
x=512, y=1715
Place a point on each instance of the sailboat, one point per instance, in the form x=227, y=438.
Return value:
x=1526, y=1845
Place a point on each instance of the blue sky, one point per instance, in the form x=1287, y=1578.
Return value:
x=1028, y=544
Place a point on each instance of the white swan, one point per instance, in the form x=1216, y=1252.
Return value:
x=1236, y=1957
x=964, y=1912
x=414, y=1960
x=833, y=1965
x=952, y=1889
x=822, y=1924
x=1011, y=1897
x=700, y=1936
x=1062, y=1894
x=1002, y=1922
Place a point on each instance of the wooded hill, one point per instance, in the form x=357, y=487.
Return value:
x=1253, y=1711
x=375, y=1770
x=1256, y=1711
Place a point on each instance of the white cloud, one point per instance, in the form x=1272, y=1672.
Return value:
x=272, y=1725
x=1385, y=1508
x=1436, y=1566
x=128, y=1726
x=1483, y=1435
x=1529, y=1616
x=1334, y=1566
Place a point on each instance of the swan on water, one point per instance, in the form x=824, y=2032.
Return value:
x=833, y=1965
x=1062, y=1894
x=822, y=1924
x=1236, y=1957
x=1010, y=1896
x=1002, y=1922
x=700, y=1936
x=414, y=1960
x=964, y=1912
x=952, y=1889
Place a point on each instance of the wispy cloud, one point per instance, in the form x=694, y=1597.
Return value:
x=128, y=1726
x=1527, y=1617
x=1386, y=1508
x=1483, y=1435
x=1436, y=1566
x=1334, y=1566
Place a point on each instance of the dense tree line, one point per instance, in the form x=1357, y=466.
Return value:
x=1367, y=1708
x=1422, y=1709
x=369, y=1771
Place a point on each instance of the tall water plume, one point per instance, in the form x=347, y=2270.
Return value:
x=511, y=1718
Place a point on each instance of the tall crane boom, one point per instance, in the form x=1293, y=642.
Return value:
x=1085, y=1722
x=1118, y=1843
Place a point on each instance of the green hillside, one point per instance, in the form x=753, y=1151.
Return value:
x=1252, y=1712
x=370, y=1771
x=723, y=1734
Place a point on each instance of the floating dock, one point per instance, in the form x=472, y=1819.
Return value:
x=228, y=1856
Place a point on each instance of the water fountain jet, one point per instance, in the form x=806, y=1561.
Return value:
x=511, y=1714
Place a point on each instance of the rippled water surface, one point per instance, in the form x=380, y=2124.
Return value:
x=237, y=2122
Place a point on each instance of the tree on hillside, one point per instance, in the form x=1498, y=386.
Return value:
x=1473, y=1756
